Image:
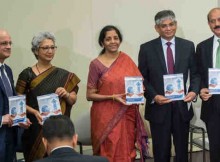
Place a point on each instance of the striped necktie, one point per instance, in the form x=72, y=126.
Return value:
x=6, y=83
x=217, y=63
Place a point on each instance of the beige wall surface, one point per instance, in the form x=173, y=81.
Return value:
x=76, y=24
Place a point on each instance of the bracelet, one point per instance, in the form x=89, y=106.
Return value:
x=113, y=97
x=68, y=95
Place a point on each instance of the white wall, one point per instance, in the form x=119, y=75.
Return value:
x=76, y=24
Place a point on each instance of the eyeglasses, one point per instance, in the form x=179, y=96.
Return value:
x=172, y=24
x=46, y=49
x=5, y=43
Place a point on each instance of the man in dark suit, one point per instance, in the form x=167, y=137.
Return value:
x=7, y=133
x=207, y=54
x=59, y=138
x=168, y=118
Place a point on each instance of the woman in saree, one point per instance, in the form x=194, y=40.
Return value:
x=41, y=79
x=115, y=126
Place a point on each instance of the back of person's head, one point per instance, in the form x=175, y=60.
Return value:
x=163, y=15
x=58, y=127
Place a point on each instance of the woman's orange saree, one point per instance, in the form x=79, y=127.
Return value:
x=116, y=127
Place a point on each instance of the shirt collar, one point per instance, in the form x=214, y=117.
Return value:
x=164, y=41
x=216, y=38
x=2, y=64
x=60, y=147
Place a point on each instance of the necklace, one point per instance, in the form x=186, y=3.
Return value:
x=43, y=70
x=37, y=69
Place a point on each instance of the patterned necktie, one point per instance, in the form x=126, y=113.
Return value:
x=6, y=83
x=170, y=61
x=217, y=63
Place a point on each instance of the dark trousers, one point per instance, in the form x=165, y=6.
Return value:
x=161, y=137
x=10, y=153
x=213, y=130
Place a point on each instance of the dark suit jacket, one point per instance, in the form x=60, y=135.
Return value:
x=6, y=133
x=153, y=66
x=204, y=54
x=68, y=154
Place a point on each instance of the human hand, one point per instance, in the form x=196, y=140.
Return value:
x=26, y=124
x=120, y=98
x=204, y=94
x=61, y=92
x=161, y=100
x=7, y=119
x=190, y=96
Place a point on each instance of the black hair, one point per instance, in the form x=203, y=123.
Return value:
x=60, y=127
x=103, y=34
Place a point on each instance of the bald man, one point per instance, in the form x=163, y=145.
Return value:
x=7, y=132
x=208, y=58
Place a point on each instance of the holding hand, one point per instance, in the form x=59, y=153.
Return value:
x=69, y=97
x=7, y=119
x=161, y=100
x=204, y=94
x=61, y=92
x=25, y=125
x=119, y=98
x=190, y=96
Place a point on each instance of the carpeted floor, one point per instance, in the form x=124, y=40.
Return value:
x=196, y=157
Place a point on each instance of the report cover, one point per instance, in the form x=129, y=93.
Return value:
x=174, y=86
x=214, y=81
x=49, y=105
x=134, y=90
x=17, y=109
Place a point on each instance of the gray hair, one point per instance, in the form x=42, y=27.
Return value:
x=164, y=15
x=38, y=38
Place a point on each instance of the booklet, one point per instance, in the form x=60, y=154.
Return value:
x=134, y=90
x=49, y=105
x=214, y=81
x=174, y=86
x=17, y=109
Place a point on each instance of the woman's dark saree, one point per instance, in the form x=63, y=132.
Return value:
x=34, y=86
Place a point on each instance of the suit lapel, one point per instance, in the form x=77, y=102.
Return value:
x=178, y=54
x=2, y=86
x=209, y=53
x=160, y=53
x=8, y=74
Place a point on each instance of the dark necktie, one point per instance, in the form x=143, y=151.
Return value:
x=6, y=83
x=170, y=61
x=217, y=65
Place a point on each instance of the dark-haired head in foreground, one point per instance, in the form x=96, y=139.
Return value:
x=59, y=139
x=57, y=131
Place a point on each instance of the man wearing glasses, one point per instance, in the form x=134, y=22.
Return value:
x=168, y=55
x=7, y=132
